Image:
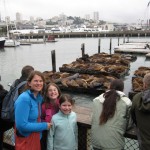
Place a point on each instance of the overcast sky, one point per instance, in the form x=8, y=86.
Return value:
x=109, y=10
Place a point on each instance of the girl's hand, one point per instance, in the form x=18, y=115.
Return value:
x=49, y=125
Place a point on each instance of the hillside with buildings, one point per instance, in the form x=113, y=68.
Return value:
x=63, y=23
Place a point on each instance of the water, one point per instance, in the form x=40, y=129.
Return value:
x=67, y=50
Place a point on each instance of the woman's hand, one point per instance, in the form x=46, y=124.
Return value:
x=49, y=125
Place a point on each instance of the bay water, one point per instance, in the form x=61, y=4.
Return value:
x=67, y=50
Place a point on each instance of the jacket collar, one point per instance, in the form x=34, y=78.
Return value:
x=102, y=99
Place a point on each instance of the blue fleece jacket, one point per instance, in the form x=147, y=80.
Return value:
x=63, y=133
x=26, y=114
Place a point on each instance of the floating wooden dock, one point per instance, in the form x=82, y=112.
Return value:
x=148, y=55
x=132, y=51
x=133, y=47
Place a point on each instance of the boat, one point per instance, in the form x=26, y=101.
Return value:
x=51, y=38
x=2, y=42
x=11, y=43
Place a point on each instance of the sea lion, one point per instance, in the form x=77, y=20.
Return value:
x=64, y=82
x=81, y=82
x=72, y=83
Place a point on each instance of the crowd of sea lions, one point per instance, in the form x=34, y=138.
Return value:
x=90, y=72
x=104, y=58
x=82, y=81
x=95, y=72
x=137, y=80
x=88, y=68
x=102, y=63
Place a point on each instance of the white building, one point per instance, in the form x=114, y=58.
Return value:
x=55, y=19
x=96, y=16
x=63, y=17
x=18, y=17
x=7, y=19
x=31, y=19
x=107, y=27
x=87, y=17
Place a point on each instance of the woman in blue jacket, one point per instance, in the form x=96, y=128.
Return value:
x=28, y=112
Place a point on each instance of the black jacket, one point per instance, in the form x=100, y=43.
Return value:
x=2, y=95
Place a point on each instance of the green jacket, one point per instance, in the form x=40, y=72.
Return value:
x=140, y=111
x=110, y=136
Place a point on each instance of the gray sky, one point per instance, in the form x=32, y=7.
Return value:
x=109, y=10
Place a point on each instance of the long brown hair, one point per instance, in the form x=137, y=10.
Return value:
x=111, y=97
x=47, y=100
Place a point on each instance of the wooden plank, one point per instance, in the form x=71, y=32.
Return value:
x=83, y=114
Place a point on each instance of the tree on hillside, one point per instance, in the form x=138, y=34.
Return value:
x=78, y=20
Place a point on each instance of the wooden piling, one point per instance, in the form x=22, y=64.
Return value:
x=99, y=45
x=29, y=38
x=128, y=38
x=110, y=45
x=124, y=38
x=118, y=41
x=44, y=38
x=53, y=60
x=83, y=49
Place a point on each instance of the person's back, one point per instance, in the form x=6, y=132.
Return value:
x=140, y=111
x=108, y=127
x=26, y=70
x=3, y=125
x=3, y=93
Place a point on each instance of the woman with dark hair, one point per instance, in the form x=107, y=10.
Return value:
x=111, y=118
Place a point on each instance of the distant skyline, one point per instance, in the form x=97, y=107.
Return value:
x=121, y=11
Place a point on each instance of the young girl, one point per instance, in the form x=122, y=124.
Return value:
x=63, y=134
x=49, y=108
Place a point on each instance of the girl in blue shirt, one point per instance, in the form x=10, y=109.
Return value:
x=63, y=133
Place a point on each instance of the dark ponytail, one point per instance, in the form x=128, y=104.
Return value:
x=111, y=97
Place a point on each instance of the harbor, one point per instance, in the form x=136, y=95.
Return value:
x=81, y=49
x=68, y=50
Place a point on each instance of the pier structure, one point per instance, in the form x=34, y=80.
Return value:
x=44, y=35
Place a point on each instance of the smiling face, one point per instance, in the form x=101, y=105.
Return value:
x=66, y=107
x=52, y=92
x=36, y=84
